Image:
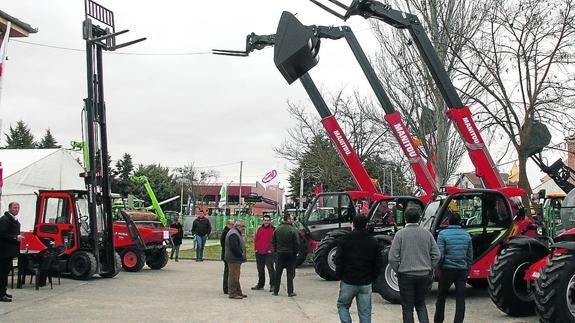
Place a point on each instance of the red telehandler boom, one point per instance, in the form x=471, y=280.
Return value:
x=329, y=215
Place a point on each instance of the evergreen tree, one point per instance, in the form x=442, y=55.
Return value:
x=20, y=137
x=48, y=141
x=120, y=180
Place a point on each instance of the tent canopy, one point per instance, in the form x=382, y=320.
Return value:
x=28, y=170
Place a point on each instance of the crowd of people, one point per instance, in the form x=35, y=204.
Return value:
x=414, y=255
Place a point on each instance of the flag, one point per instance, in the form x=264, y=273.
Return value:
x=270, y=178
x=223, y=195
x=514, y=174
x=3, y=49
x=318, y=189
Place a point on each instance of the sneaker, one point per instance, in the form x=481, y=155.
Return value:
x=256, y=287
x=244, y=295
x=292, y=294
x=8, y=295
x=5, y=299
x=236, y=297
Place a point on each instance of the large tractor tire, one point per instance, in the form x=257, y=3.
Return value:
x=508, y=289
x=82, y=265
x=324, y=257
x=133, y=260
x=157, y=259
x=555, y=290
x=117, y=267
x=387, y=284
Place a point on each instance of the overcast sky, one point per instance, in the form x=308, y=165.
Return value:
x=186, y=107
x=171, y=109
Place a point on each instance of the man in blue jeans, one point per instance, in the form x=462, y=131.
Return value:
x=413, y=255
x=358, y=263
x=201, y=227
x=456, y=259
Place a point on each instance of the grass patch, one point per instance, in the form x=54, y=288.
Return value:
x=214, y=252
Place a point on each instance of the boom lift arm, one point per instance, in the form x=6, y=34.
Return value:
x=336, y=134
x=485, y=168
x=144, y=181
x=424, y=174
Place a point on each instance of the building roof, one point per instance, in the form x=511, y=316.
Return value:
x=476, y=181
x=19, y=28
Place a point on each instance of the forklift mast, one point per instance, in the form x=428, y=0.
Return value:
x=296, y=34
x=461, y=115
x=99, y=36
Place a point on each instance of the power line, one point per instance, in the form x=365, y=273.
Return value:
x=112, y=53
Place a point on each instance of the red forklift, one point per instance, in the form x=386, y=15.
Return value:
x=80, y=222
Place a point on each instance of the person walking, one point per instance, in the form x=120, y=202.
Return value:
x=456, y=258
x=285, y=241
x=229, y=225
x=201, y=228
x=358, y=263
x=413, y=255
x=177, y=238
x=264, y=253
x=10, y=238
x=235, y=255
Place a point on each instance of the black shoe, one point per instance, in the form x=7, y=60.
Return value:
x=275, y=294
x=8, y=295
x=5, y=299
x=292, y=294
x=271, y=289
x=256, y=287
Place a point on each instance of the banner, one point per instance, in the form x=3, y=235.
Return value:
x=223, y=196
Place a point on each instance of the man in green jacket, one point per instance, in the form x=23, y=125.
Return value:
x=285, y=242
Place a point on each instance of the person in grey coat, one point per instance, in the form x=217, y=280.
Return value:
x=413, y=255
x=235, y=255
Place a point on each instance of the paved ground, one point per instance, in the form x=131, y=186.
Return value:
x=189, y=291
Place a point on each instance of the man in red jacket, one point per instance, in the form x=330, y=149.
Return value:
x=264, y=253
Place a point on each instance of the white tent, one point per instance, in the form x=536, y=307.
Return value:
x=28, y=170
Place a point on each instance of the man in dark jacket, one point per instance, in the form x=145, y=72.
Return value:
x=358, y=263
x=201, y=228
x=285, y=242
x=227, y=228
x=264, y=253
x=10, y=238
x=177, y=238
x=235, y=255
x=456, y=258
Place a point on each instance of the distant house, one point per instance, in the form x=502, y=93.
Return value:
x=470, y=180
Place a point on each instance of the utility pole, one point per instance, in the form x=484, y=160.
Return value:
x=240, y=193
x=301, y=190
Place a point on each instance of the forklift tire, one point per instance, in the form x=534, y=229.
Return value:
x=555, y=290
x=508, y=289
x=387, y=284
x=118, y=267
x=157, y=259
x=133, y=260
x=82, y=265
x=324, y=257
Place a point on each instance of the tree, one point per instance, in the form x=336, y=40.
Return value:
x=20, y=137
x=189, y=177
x=518, y=58
x=48, y=141
x=449, y=25
x=161, y=181
x=120, y=182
